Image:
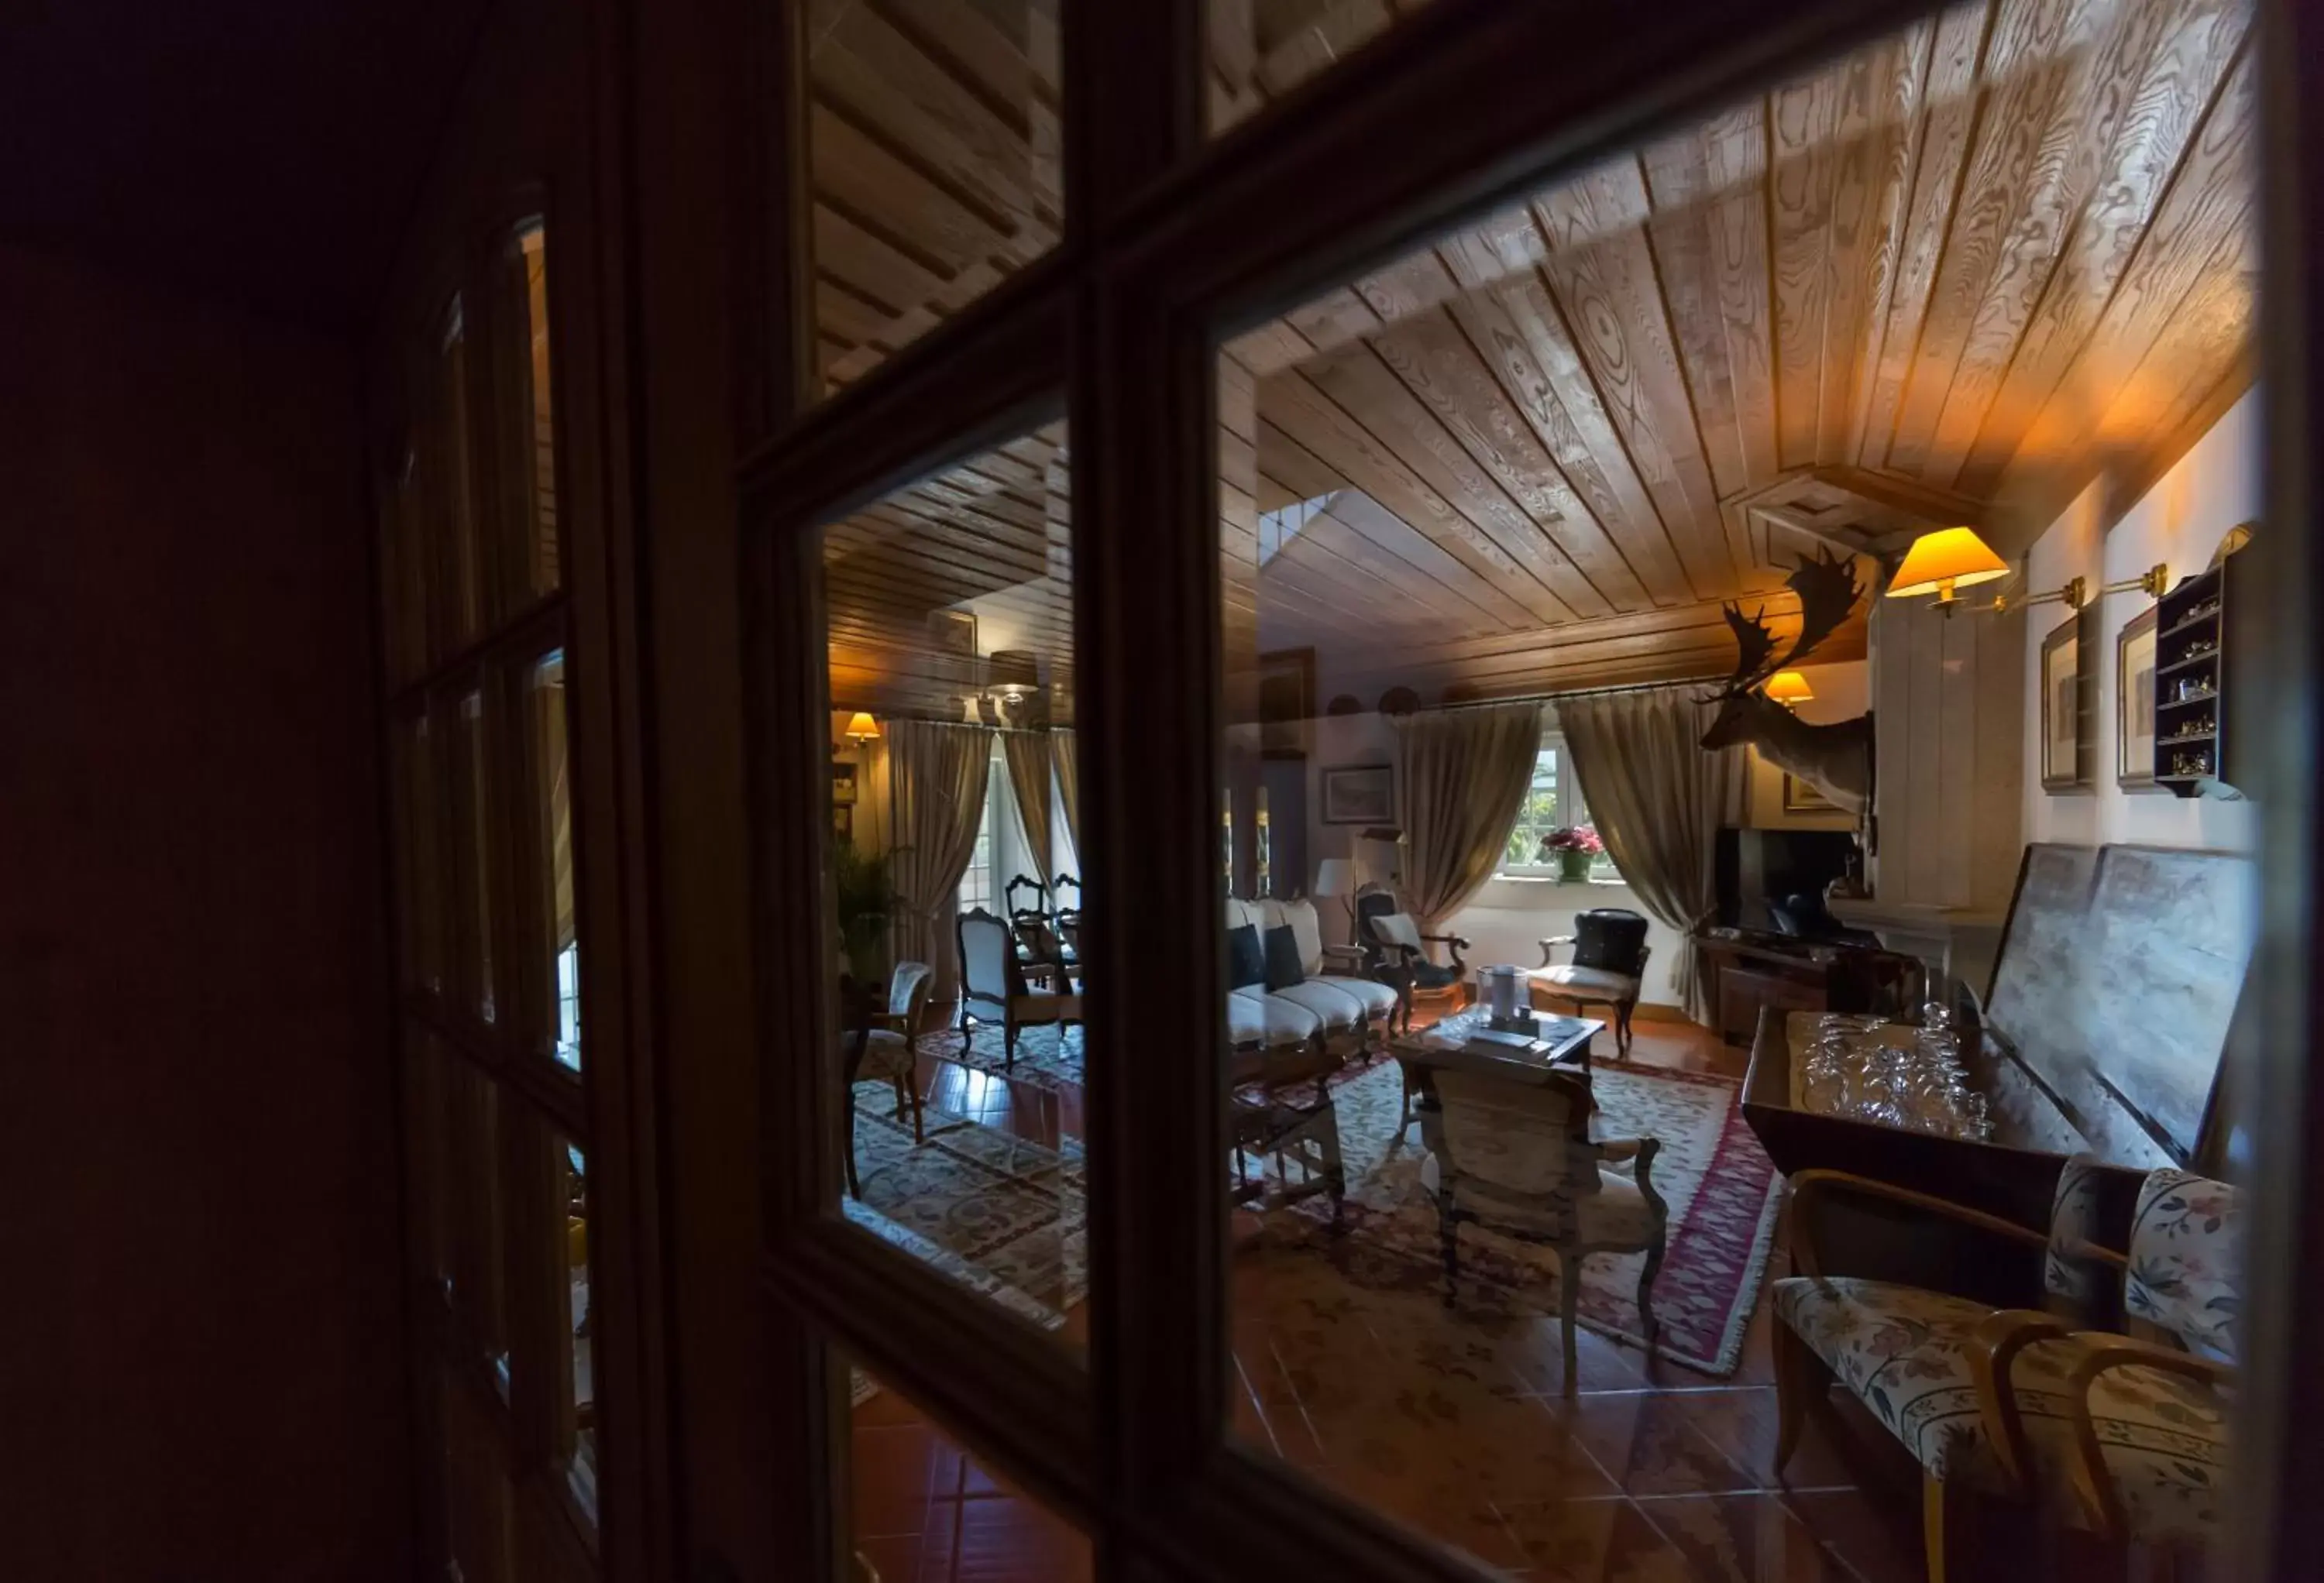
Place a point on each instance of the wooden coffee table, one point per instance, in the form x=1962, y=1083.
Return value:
x=1442, y=1044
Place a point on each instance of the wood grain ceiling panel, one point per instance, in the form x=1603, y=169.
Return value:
x=1440, y=365
x=2182, y=81
x=1602, y=274
x=1542, y=374
x=1497, y=531
x=1948, y=277
x=1942, y=142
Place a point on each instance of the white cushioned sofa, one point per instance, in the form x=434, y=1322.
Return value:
x=1339, y=1011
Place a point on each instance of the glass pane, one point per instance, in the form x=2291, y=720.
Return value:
x=476, y=783
x=451, y=485
x=1260, y=49
x=577, y=1415
x=419, y=853
x=430, y=1155
x=545, y=704
x=403, y=572
x=477, y=1206
x=478, y=1494
x=530, y=426
x=1554, y=500
x=934, y=140
x=950, y=606
x=920, y=1506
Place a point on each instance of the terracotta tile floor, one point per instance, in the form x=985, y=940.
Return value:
x=1647, y=1472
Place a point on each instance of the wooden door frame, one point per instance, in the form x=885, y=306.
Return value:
x=1172, y=243
x=532, y=132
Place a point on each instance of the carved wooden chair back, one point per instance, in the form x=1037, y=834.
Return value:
x=989, y=975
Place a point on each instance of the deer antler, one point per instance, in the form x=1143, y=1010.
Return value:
x=1828, y=591
x=1754, y=644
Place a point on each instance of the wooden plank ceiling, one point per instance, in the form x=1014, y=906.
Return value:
x=1951, y=277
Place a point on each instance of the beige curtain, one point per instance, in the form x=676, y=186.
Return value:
x=1463, y=773
x=1069, y=786
x=1027, y=753
x=936, y=776
x=560, y=849
x=1657, y=800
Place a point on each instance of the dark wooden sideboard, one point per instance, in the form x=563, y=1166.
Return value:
x=1752, y=972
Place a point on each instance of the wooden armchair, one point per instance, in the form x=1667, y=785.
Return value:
x=994, y=985
x=1042, y=947
x=2123, y=1434
x=1510, y=1148
x=1610, y=965
x=878, y=1043
x=1068, y=919
x=1396, y=954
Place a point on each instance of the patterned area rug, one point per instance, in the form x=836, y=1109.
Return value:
x=1723, y=1191
x=1007, y=1217
x=1047, y=1057
x=1009, y=1207
x=1000, y=1215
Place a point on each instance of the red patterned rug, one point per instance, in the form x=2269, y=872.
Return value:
x=1723, y=1193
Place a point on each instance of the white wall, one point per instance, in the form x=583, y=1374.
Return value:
x=1949, y=697
x=2179, y=521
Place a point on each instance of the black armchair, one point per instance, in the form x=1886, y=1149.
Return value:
x=1608, y=966
x=1395, y=952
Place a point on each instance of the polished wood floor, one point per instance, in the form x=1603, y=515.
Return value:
x=1666, y=1474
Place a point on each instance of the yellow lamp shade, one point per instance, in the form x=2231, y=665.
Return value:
x=861, y=728
x=1789, y=686
x=1939, y=562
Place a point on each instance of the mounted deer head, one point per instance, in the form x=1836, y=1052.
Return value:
x=1836, y=760
x=1828, y=590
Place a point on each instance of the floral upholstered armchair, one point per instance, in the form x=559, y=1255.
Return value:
x=2122, y=1432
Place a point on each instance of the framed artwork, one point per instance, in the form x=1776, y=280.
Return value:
x=843, y=825
x=952, y=631
x=842, y=786
x=1286, y=701
x=2063, y=734
x=1360, y=793
x=1800, y=798
x=952, y=638
x=2134, y=701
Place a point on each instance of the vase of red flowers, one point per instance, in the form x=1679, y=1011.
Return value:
x=1573, y=847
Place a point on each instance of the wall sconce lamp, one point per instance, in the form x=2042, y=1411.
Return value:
x=1953, y=558
x=862, y=729
x=1789, y=687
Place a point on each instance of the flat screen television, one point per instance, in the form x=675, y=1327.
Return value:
x=1756, y=867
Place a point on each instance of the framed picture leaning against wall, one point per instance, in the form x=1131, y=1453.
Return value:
x=2134, y=702
x=2062, y=711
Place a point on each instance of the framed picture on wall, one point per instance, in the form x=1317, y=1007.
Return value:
x=2062, y=709
x=1800, y=798
x=2134, y=702
x=843, y=785
x=1360, y=793
x=1286, y=701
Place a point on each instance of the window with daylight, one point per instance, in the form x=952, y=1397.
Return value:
x=976, y=887
x=1554, y=803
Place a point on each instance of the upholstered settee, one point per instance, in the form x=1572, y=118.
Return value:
x=1280, y=992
